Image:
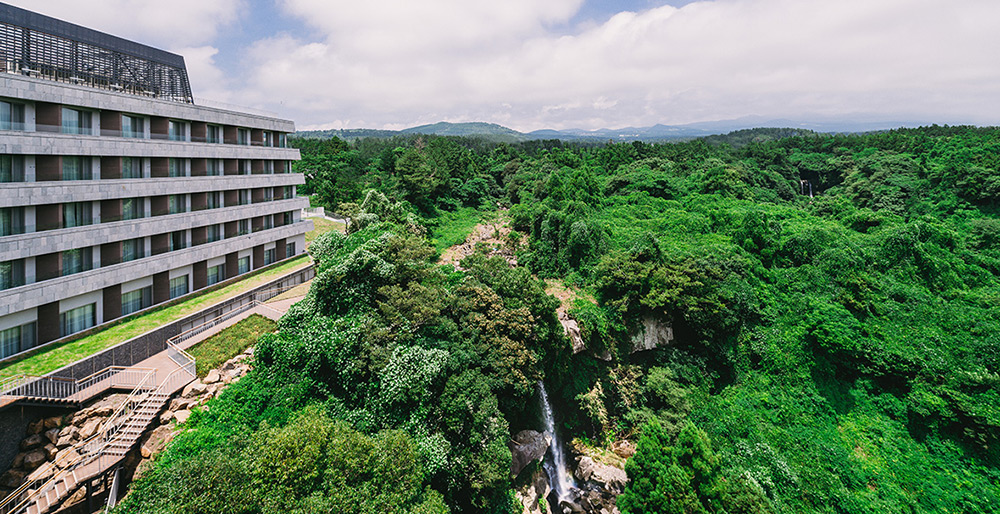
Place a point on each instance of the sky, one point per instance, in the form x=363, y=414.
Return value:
x=560, y=64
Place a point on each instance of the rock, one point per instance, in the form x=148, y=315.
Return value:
x=166, y=417
x=67, y=456
x=34, y=459
x=568, y=506
x=178, y=404
x=43, y=472
x=624, y=448
x=50, y=451
x=36, y=427
x=18, y=461
x=104, y=411
x=248, y=351
x=572, y=330
x=32, y=441
x=182, y=415
x=77, y=497
x=89, y=429
x=52, y=435
x=64, y=441
x=235, y=373
x=194, y=389
x=54, y=422
x=653, y=334
x=527, y=446
x=155, y=440
x=212, y=377
x=12, y=478
x=600, y=475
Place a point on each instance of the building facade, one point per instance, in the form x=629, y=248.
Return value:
x=119, y=192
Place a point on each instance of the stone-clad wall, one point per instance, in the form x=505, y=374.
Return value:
x=40, y=293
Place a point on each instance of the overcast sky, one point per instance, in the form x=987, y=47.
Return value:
x=532, y=64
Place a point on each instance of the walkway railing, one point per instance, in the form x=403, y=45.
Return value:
x=66, y=389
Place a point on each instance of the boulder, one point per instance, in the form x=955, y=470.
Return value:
x=235, y=372
x=572, y=330
x=103, y=411
x=601, y=476
x=155, y=440
x=52, y=435
x=64, y=441
x=89, y=429
x=18, y=461
x=166, y=417
x=527, y=446
x=653, y=334
x=194, y=389
x=50, y=451
x=182, y=415
x=54, y=422
x=178, y=404
x=212, y=377
x=32, y=441
x=36, y=427
x=34, y=459
x=12, y=478
x=77, y=497
x=66, y=456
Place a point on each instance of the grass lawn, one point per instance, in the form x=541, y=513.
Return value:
x=51, y=358
x=230, y=342
x=454, y=227
x=322, y=226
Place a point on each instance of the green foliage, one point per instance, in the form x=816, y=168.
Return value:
x=230, y=342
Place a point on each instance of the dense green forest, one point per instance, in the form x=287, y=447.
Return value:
x=834, y=300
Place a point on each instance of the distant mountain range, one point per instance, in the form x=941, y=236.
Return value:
x=658, y=132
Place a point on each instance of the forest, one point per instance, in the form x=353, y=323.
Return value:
x=834, y=302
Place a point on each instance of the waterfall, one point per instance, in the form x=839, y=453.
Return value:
x=556, y=468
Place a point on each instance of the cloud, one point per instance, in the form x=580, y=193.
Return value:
x=172, y=24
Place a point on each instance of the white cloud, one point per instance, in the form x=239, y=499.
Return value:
x=170, y=24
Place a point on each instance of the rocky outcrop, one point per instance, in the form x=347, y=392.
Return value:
x=596, y=476
x=653, y=334
x=527, y=446
x=533, y=495
x=572, y=330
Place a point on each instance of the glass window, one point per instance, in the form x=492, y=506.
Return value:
x=268, y=194
x=289, y=249
x=133, y=249
x=244, y=197
x=178, y=286
x=75, y=121
x=76, y=168
x=176, y=168
x=282, y=140
x=244, y=166
x=214, y=200
x=214, y=233
x=243, y=136
x=16, y=339
x=133, y=126
x=244, y=265
x=11, y=221
x=270, y=256
x=77, y=260
x=11, y=168
x=216, y=274
x=11, y=116
x=267, y=223
x=288, y=218
x=78, y=319
x=131, y=167
x=133, y=208
x=214, y=168
x=77, y=214
x=11, y=274
x=135, y=301
x=177, y=130
x=177, y=203
x=244, y=227
x=214, y=134
x=178, y=240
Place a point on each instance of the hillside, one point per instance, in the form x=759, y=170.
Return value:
x=776, y=324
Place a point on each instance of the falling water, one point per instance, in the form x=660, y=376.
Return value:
x=556, y=469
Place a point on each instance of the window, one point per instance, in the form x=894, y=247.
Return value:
x=288, y=167
x=244, y=167
x=244, y=197
x=133, y=249
x=78, y=319
x=269, y=167
x=11, y=221
x=176, y=204
x=178, y=240
x=216, y=274
x=282, y=140
x=267, y=222
x=11, y=274
x=131, y=167
x=75, y=261
x=11, y=168
x=11, y=116
x=133, y=126
x=268, y=140
x=270, y=256
x=244, y=265
x=214, y=134
x=214, y=168
x=244, y=227
x=214, y=233
x=289, y=192
x=76, y=168
x=176, y=168
x=213, y=200
x=268, y=194
x=16, y=339
x=289, y=249
x=75, y=121
x=178, y=286
x=77, y=214
x=288, y=220
x=176, y=130
x=242, y=136
x=135, y=301
x=133, y=208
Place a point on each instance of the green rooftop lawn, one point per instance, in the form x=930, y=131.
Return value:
x=50, y=358
x=322, y=226
x=230, y=342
